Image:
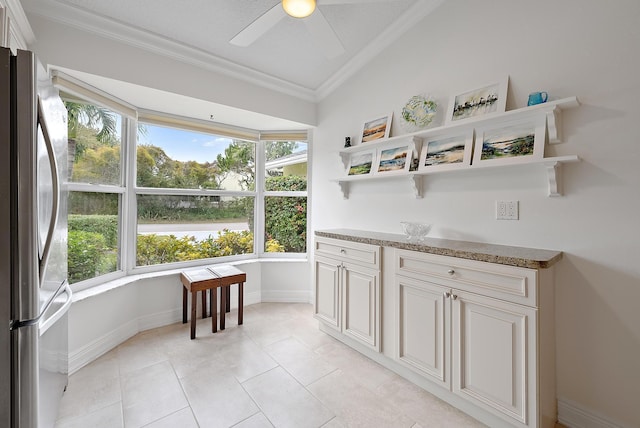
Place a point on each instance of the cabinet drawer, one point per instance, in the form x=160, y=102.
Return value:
x=363, y=254
x=513, y=284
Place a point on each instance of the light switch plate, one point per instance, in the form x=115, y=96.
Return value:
x=507, y=210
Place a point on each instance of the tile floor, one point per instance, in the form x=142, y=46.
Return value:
x=276, y=370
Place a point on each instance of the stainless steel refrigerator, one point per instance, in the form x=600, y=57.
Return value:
x=34, y=293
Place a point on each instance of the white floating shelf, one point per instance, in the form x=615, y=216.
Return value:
x=415, y=179
x=552, y=110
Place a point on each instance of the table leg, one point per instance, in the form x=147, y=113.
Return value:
x=184, y=305
x=194, y=303
x=228, y=292
x=240, y=301
x=214, y=308
x=223, y=309
x=204, y=304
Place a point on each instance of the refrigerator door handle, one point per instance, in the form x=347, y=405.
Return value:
x=56, y=191
x=46, y=323
x=64, y=287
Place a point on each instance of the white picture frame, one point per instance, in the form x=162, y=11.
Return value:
x=510, y=142
x=362, y=163
x=394, y=159
x=445, y=152
x=376, y=128
x=484, y=100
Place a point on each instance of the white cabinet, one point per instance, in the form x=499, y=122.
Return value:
x=327, y=283
x=472, y=327
x=423, y=340
x=491, y=366
x=347, y=289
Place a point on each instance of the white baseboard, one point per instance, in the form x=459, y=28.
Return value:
x=160, y=319
x=574, y=415
x=100, y=346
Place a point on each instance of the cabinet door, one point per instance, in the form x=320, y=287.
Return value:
x=327, y=288
x=361, y=304
x=423, y=340
x=494, y=355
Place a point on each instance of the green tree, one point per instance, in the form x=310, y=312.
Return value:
x=91, y=116
x=238, y=158
x=286, y=216
x=278, y=149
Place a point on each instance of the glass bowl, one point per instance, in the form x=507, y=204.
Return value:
x=415, y=231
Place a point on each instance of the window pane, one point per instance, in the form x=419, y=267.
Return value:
x=285, y=224
x=175, y=158
x=181, y=228
x=93, y=235
x=285, y=217
x=94, y=144
x=285, y=158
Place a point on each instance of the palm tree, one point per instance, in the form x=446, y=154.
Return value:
x=88, y=115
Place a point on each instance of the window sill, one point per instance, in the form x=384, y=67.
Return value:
x=107, y=286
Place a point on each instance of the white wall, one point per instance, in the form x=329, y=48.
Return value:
x=586, y=48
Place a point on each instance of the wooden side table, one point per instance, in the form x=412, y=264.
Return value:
x=194, y=281
x=228, y=276
x=211, y=278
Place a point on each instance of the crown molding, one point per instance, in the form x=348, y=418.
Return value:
x=115, y=30
x=17, y=15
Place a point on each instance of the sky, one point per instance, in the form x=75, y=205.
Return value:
x=184, y=145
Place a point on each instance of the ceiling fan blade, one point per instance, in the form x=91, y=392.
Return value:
x=323, y=35
x=257, y=28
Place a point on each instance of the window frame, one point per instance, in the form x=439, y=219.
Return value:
x=264, y=194
x=120, y=190
x=192, y=125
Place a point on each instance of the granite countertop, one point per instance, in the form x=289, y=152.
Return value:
x=502, y=254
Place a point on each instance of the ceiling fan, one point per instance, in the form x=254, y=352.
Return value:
x=306, y=10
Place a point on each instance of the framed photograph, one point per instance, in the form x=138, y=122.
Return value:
x=377, y=128
x=394, y=159
x=512, y=142
x=487, y=99
x=361, y=163
x=446, y=152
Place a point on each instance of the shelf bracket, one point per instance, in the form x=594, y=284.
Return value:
x=345, y=159
x=416, y=182
x=554, y=125
x=344, y=188
x=553, y=175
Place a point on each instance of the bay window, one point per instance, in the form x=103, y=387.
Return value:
x=149, y=191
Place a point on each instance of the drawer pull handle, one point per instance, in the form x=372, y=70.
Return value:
x=451, y=271
x=447, y=295
x=454, y=296
x=343, y=251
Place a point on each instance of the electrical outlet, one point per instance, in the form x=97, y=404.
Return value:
x=507, y=210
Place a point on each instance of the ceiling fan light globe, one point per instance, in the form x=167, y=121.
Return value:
x=299, y=8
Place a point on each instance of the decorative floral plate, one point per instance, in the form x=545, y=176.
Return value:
x=419, y=111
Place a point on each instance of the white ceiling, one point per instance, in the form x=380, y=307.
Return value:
x=287, y=57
